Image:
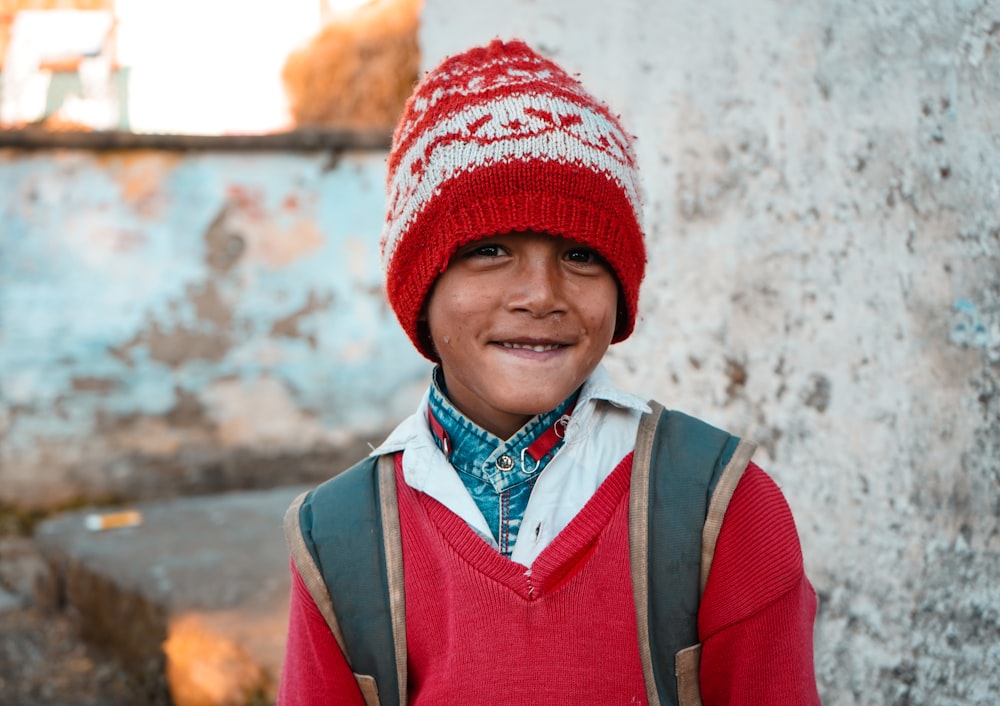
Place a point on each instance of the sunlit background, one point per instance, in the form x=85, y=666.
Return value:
x=161, y=66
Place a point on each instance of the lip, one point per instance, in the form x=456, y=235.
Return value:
x=531, y=348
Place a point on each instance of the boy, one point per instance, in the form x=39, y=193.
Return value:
x=533, y=534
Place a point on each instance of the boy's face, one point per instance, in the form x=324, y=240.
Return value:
x=519, y=321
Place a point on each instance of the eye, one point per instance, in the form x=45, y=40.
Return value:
x=484, y=250
x=584, y=256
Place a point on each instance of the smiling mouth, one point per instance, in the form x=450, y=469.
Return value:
x=536, y=347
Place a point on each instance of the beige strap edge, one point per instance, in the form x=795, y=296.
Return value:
x=394, y=564
x=687, y=667
x=369, y=689
x=309, y=572
x=724, y=490
x=638, y=541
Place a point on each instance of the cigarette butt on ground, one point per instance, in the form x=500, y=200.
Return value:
x=98, y=522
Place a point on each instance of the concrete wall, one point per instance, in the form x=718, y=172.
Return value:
x=822, y=212
x=191, y=322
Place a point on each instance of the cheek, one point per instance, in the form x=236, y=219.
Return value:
x=601, y=313
x=448, y=317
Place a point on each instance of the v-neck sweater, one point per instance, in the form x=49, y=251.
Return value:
x=482, y=629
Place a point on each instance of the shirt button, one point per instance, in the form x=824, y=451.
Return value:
x=505, y=463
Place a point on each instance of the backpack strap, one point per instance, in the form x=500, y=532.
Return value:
x=684, y=473
x=638, y=542
x=730, y=477
x=359, y=535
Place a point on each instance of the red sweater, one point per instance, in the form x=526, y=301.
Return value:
x=480, y=632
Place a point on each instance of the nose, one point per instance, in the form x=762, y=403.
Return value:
x=536, y=286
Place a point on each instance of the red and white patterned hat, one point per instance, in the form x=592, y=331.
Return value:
x=496, y=140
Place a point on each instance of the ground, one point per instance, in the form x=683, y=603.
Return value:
x=43, y=662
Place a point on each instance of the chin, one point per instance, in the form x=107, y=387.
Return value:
x=536, y=406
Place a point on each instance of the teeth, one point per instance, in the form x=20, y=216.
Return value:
x=536, y=349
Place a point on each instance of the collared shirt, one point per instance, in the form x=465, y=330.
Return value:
x=599, y=435
x=498, y=474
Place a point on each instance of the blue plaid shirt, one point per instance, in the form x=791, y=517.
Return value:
x=480, y=457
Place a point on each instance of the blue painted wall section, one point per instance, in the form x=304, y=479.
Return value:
x=162, y=315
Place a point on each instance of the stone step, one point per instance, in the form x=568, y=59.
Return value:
x=194, y=599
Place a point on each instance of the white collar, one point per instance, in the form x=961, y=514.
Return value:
x=598, y=387
x=600, y=433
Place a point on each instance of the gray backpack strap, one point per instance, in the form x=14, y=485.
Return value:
x=687, y=662
x=684, y=472
x=349, y=527
x=308, y=570
x=723, y=493
x=313, y=580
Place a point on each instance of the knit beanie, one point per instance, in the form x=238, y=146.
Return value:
x=496, y=140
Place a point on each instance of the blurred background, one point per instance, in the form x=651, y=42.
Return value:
x=191, y=197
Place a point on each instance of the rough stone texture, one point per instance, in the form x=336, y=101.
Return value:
x=823, y=184
x=194, y=600
x=24, y=577
x=186, y=323
x=43, y=661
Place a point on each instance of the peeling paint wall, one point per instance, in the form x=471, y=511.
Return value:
x=823, y=214
x=176, y=323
